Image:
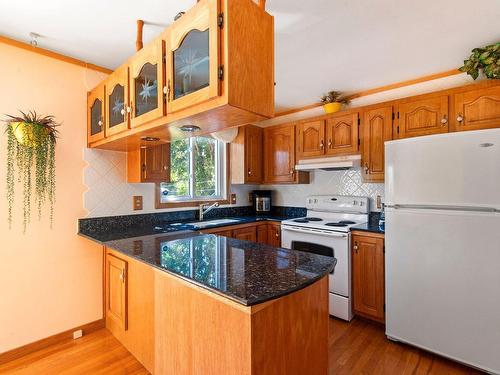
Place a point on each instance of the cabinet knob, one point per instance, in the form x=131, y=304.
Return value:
x=292, y=171
x=249, y=172
x=277, y=234
x=100, y=123
x=129, y=109
x=165, y=168
x=355, y=247
x=165, y=90
x=444, y=120
x=321, y=145
x=367, y=168
x=123, y=111
x=330, y=143
x=460, y=118
x=122, y=275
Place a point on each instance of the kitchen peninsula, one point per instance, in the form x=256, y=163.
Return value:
x=191, y=303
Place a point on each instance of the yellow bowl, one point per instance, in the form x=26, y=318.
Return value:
x=332, y=107
x=24, y=133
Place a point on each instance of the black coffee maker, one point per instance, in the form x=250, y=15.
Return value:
x=262, y=201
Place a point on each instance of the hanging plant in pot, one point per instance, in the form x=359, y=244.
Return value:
x=332, y=102
x=31, y=142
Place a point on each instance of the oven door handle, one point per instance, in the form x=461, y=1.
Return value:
x=315, y=231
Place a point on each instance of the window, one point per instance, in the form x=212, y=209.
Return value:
x=197, y=171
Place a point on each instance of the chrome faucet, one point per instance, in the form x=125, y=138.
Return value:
x=204, y=209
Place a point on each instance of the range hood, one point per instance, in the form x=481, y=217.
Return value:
x=334, y=163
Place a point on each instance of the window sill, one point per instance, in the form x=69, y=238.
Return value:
x=186, y=203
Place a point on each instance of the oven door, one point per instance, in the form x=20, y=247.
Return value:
x=323, y=242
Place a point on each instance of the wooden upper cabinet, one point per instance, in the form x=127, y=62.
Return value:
x=423, y=117
x=95, y=114
x=342, y=134
x=279, y=156
x=117, y=102
x=477, y=109
x=376, y=129
x=246, y=153
x=147, y=81
x=116, y=292
x=149, y=164
x=310, y=139
x=368, y=276
x=193, y=57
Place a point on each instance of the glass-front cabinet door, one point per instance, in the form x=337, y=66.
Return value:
x=117, y=102
x=147, y=81
x=193, y=57
x=95, y=114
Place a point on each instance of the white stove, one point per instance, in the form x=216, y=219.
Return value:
x=326, y=231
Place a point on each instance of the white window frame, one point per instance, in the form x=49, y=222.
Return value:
x=220, y=177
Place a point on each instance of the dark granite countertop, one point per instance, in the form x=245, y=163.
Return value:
x=371, y=226
x=243, y=271
x=136, y=231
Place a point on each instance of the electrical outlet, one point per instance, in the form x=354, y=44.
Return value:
x=137, y=202
x=233, y=198
x=250, y=197
x=379, y=202
x=77, y=334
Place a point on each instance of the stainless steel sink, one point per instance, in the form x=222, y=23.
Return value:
x=204, y=224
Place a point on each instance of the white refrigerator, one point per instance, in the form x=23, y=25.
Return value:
x=443, y=245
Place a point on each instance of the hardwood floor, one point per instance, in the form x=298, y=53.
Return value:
x=359, y=347
x=96, y=353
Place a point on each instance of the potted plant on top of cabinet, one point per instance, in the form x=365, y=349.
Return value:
x=332, y=101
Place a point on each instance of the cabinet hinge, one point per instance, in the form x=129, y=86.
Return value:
x=398, y=129
x=359, y=142
x=359, y=121
x=398, y=115
x=220, y=20
x=393, y=116
x=221, y=72
x=144, y=167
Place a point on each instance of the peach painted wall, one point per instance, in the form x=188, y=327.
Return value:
x=50, y=280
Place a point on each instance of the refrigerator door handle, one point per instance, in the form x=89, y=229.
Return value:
x=443, y=208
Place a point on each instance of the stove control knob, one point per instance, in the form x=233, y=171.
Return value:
x=361, y=203
x=355, y=203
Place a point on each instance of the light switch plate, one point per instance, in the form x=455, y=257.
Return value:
x=137, y=202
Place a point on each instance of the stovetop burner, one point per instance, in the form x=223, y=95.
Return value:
x=347, y=222
x=339, y=224
x=307, y=219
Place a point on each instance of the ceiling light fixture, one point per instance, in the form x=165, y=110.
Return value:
x=150, y=139
x=189, y=128
x=34, y=39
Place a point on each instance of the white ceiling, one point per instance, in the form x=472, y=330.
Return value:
x=347, y=45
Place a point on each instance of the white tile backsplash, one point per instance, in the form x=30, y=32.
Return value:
x=348, y=182
x=109, y=194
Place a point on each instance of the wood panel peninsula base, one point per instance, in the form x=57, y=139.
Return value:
x=198, y=332
x=173, y=326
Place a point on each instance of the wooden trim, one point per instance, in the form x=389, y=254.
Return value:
x=54, y=55
x=376, y=90
x=51, y=340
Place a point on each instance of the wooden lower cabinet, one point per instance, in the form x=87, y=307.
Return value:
x=246, y=234
x=265, y=232
x=274, y=235
x=368, y=275
x=129, y=305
